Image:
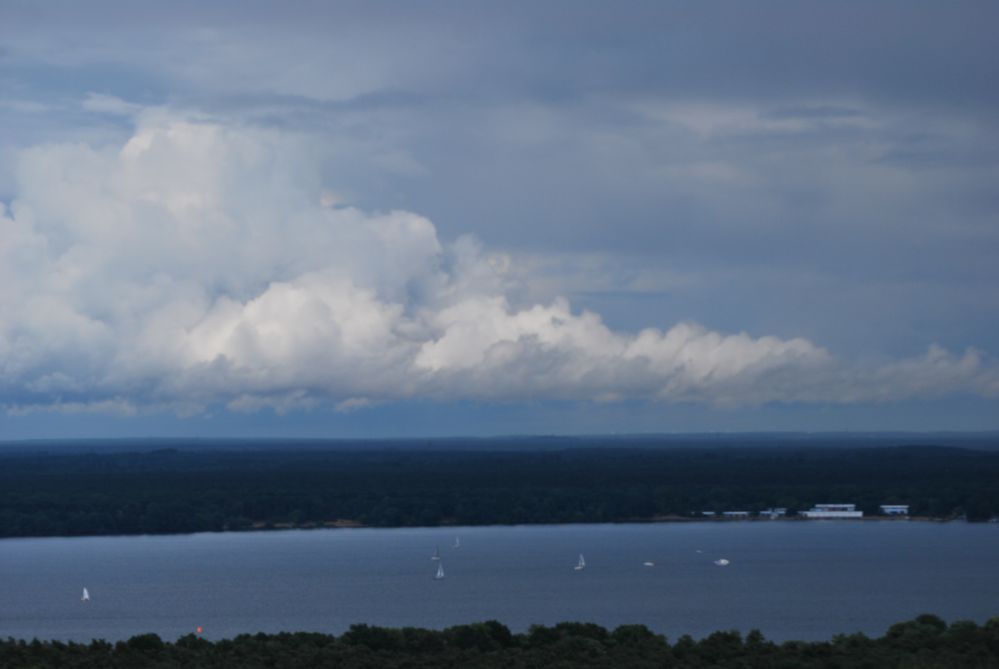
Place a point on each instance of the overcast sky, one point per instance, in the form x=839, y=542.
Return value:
x=365, y=219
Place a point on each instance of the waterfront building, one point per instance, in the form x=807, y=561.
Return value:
x=895, y=509
x=833, y=511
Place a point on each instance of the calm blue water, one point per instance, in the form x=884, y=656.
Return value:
x=800, y=580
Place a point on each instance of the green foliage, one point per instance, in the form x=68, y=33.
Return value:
x=486, y=636
x=926, y=641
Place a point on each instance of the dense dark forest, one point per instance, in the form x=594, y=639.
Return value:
x=924, y=642
x=181, y=490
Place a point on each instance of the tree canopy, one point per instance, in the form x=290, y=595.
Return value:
x=926, y=641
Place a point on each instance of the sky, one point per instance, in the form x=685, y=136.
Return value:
x=478, y=218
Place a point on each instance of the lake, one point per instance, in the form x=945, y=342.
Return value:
x=792, y=580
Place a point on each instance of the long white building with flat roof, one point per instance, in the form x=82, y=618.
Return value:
x=833, y=511
x=895, y=509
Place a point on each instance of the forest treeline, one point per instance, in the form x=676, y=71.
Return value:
x=173, y=490
x=924, y=642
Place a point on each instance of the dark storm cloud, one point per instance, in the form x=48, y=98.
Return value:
x=815, y=169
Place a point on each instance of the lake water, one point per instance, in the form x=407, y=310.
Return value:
x=792, y=580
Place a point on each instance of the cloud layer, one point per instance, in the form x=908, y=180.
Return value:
x=206, y=262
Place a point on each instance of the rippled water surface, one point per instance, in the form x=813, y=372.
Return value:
x=803, y=580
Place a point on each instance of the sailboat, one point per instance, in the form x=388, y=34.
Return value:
x=457, y=543
x=86, y=596
x=581, y=564
x=437, y=553
x=440, y=571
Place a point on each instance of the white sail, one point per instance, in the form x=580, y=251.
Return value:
x=437, y=553
x=86, y=596
x=457, y=543
x=581, y=564
x=440, y=571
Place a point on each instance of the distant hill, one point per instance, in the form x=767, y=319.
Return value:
x=969, y=440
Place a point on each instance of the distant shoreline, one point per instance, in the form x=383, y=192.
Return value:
x=178, y=492
x=353, y=524
x=344, y=524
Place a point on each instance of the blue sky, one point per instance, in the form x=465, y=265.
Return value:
x=368, y=219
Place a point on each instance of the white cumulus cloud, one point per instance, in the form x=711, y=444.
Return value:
x=204, y=263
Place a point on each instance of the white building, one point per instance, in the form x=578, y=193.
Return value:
x=895, y=509
x=777, y=512
x=735, y=514
x=833, y=511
